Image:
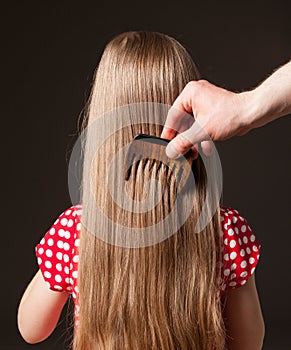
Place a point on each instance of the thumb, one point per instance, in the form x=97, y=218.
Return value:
x=186, y=140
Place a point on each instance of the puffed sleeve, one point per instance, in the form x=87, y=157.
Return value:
x=241, y=249
x=54, y=252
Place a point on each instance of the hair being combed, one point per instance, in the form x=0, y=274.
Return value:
x=164, y=296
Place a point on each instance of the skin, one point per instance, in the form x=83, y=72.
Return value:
x=37, y=319
x=243, y=317
x=222, y=114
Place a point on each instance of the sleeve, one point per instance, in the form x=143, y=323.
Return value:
x=241, y=249
x=54, y=252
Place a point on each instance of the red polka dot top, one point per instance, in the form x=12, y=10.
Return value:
x=57, y=252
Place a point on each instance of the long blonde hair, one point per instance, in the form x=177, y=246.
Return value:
x=163, y=296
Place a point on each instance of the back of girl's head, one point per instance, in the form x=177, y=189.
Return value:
x=161, y=296
x=140, y=67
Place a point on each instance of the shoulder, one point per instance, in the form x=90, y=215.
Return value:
x=57, y=252
x=241, y=249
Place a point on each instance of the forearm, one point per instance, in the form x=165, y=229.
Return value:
x=270, y=100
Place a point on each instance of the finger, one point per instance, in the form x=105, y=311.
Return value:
x=195, y=151
x=168, y=133
x=207, y=148
x=172, y=123
x=184, y=141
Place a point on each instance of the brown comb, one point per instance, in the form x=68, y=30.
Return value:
x=153, y=147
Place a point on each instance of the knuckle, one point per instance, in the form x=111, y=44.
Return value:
x=191, y=84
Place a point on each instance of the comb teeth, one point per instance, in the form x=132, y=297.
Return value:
x=153, y=149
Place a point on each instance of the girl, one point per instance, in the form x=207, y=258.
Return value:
x=189, y=291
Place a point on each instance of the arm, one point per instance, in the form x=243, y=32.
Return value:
x=222, y=114
x=39, y=310
x=243, y=318
x=271, y=99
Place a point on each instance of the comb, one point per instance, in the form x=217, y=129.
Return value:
x=154, y=148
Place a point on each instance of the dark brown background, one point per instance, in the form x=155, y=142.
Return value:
x=49, y=51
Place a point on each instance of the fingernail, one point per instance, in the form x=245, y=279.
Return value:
x=171, y=152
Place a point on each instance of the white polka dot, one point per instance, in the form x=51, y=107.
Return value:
x=48, y=253
x=66, y=258
x=232, y=243
x=77, y=289
x=258, y=256
x=77, y=242
x=68, y=212
x=67, y=235
x=233, y=275
x=59, y=267
x=243, y=264
x=243, y=228
x=75, y=274
x=50, y=242
x=42, y=242
x=248, y=250
x=226, y=257
x=252, y=260
x=56, y=221
x=239, y=241
x=52, y=231
x=76, y=258
x=64, y=221
x=245, y=239
x=74, y=295
x=59, y=255
x=48, y=264
x=226, y=272
x=255, y=248
x=58, y=278
x=79, y=226
x=233, y=255
x=39, y=261
x=67, y=270
x=66, y=246
x=243, y=282
x=241, y=218
x=58, y=287
x=234, y=219
x=69, y=289
x=236, y=230
x=252, y=238
x=242, y=252
x=60, y=244
x=252, y=270
x=67, y=280
x=232, y=284
x=226, y=241
x=233, y=266
x=230, y=232
x=47, y=274
x=61, y=232
x=225, y=226
x=40, y=251
x=244, y=274
x=70, y=223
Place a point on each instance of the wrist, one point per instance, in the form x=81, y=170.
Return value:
x=249, y=111
x=252, y=108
